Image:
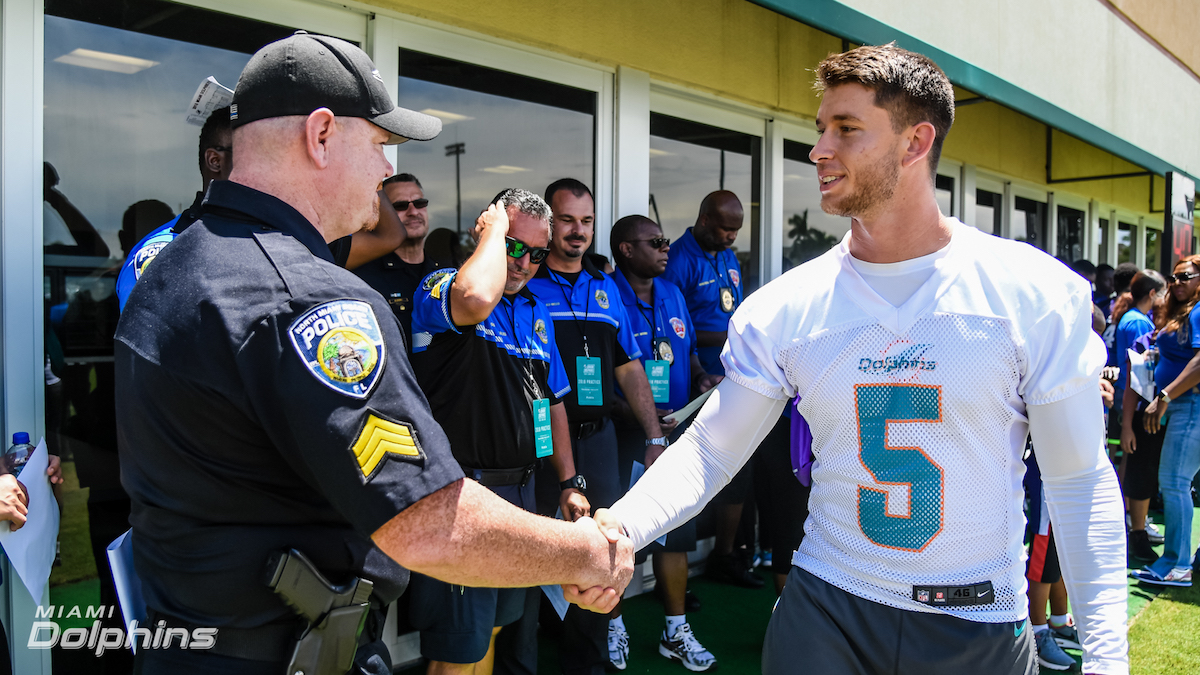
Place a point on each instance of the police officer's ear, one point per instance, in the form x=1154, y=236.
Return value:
x=319, y=128
x=216, y=162
x=625, y=248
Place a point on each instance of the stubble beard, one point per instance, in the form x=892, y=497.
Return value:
x=875, y=188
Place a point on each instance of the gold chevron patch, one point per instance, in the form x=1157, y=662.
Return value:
x=380, y=438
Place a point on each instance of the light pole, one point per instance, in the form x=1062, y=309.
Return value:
x=457, y=149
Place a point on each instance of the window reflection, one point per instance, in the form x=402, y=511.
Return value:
x=1124, y=243
x=514, y=131
x=688, y=160
x=1102, y=237
x=1029, y=222
x=808, y=231
x=1070, y=234
x=1153, y=238
x=944, y=191
x=987, y=211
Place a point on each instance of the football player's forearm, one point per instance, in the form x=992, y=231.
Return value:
x=1084, y=500
x=465, y=534
x=725, y=434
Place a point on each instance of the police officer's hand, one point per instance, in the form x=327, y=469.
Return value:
x=668, y=425
x=708, y=382
x=496, y=216
x=574, y=504
x=609, y=525
x=14, y=502
x=653, y=452
x=616, y=571
x=54, y=470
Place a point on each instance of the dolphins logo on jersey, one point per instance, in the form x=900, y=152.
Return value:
x=341, y=345
x=539, y=327
x=734, y=277
x=602, y=299
x=901, y=361
x=680, y=327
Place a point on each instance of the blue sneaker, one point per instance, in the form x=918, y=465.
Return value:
x=1049, y=654
x=1179, y=576
x=1066, y=636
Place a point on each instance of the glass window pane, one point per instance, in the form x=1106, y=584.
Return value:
x=1153, y=237
x=689, y=160
x=987, y=211
x=808, y=230
x=944, y=189
x=1029, y=222
x=1102, y=237
x=1124, y=243
x=493, y=115
x=1070, y=234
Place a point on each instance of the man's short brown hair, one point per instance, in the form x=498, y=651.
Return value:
x=909, y=86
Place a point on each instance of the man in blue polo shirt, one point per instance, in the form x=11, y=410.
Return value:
x=485, y=356
x=664, y=332
x=595, y=338
x=704, y=267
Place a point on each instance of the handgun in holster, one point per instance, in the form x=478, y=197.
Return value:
x=335, y=614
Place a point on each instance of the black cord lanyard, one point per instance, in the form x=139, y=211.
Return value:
x=526, y=361
x=587, y=301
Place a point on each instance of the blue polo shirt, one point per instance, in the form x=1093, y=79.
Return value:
x=1132, y=326
x=1175, y=350
x=668, y=318
x=587, y=312
x=481, y=380
x=700, y=275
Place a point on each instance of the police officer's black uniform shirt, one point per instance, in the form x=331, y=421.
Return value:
x=589, y=305
x=482, y=380
x=397, y=282
x=263, y=403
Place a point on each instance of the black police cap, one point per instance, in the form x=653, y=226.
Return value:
x=302, y=73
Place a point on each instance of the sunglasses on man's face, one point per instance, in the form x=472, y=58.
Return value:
x=657, y=242
x=517, y=249
x=403, y=205
x=1184, y=277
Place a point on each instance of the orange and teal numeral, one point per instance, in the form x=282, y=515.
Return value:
x=879, y=405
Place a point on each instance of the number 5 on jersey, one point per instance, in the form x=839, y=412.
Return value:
x=878, y=406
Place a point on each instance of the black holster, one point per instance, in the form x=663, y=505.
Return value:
x=335, y=614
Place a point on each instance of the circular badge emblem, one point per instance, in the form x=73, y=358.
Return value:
x=347, y=355
x=663, y=351
x=602, y=299
x=539, y=327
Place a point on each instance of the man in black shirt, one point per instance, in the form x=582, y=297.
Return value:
x=397, y=274
x=264, y=406
x=486, y=358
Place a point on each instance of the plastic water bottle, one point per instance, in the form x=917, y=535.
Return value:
x=18, y=453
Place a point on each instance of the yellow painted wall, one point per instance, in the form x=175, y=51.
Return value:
x=743, y=52
x=1173, y=24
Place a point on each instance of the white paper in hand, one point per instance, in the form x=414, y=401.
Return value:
x=1141, y=375
x=210, y=96
x=129, y=586
x=31, y=548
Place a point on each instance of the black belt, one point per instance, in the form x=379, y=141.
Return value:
x=272, y=642
x=955, y=596
x=584, y=430
x=497, y=477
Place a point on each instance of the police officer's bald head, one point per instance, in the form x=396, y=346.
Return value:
x=720, y=218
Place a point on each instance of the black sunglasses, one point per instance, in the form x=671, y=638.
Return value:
x=1183, y=277
x=403, y=205
x=517, y=248
x=657, y=242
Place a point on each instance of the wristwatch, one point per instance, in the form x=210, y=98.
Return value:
x=1163, y=395
x=661, y=440
x=576, y=482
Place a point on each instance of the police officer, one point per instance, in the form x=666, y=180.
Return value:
x=664, y=333
x=486, y=359
x=707, y=271
x=216, y=161
x=595, y=338
x=397, y=274
x=263, y=404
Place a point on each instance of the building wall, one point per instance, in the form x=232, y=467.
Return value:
x=1174, y=24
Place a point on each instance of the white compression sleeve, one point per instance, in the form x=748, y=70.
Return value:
x=1086, y=515
x=724, y=435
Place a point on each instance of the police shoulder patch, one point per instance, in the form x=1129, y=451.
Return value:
x=382, y=439
x=146, y=254
x=341, y=344
x=539, y=327
x=602, y=299
x=679, y=326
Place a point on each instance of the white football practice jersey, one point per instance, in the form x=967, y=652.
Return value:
x=918, y=412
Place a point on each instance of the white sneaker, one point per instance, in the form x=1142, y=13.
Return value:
x=683, y=647
x=1152, y=531
x=618, y=648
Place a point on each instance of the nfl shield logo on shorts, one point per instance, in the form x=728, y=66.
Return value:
x=341, y=345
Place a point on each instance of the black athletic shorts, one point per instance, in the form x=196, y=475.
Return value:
x=1141, y=466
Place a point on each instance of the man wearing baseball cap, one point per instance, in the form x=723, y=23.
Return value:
x=266, y=403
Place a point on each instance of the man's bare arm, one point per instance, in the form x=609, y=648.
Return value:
x=465, y=534
x=479, y=284
x=573, y=503
x=387, y=236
